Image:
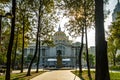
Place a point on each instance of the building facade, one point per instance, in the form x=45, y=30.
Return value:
x=68, y=51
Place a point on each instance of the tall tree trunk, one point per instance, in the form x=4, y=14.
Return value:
x=36, y=48
x=39, y=21
x=114, y=61
x=14, y=58
x=38, y=30
x=22, y=60
x=0, y=33
x=38, y=61
x=80, y=54
x=114, y=57
x=87, y=56
x=8, y=64
x=102, y=72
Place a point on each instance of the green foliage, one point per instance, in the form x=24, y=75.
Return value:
x=26, y=12
x=2, y=12
x=112, y=49
x=115, y=68
x=91, y=59
x=2, y=58
x=47, y=17
x=4, y=1
x=48, y=42
x=49, y=4
x=29, y=58
x=118, y=59
x=18, y=61
x=114, y=38
x=23, y=18
x=114, y=30
x=80, y=12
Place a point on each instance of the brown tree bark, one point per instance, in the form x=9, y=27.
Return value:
x=80, y=54
x=22, y=60
x=38, y=61
x=36, y=48
x=114, y=57
x=87, y=56
x=15, y=52
x=102, y=72
x=9, y=51
x=39, y=21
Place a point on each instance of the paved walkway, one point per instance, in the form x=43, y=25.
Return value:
x=57, y=75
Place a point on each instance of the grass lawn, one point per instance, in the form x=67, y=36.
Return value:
x=22, y=76
x=84, y=74
x=113, y=75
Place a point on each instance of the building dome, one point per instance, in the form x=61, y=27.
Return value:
x=60, y=35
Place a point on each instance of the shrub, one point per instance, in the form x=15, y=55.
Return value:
x=115, y=68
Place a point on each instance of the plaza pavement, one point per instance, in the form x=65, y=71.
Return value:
x=57, y=75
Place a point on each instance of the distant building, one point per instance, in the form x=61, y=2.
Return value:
x=115, y=11
x=92, y=50
x=68, y=51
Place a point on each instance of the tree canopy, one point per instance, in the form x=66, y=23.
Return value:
x=114, y=39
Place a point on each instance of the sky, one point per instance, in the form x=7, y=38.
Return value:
x=91, y=32
x=108, y=20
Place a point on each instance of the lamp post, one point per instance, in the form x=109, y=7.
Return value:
x=7, y=15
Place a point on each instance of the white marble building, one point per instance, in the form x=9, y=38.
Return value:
x=48, y=55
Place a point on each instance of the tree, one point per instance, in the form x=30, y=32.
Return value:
x=91, y=59
x=45, y=28
x=87, y=55
x=3, y=24
x=81, y=17
x=4, y=1
x=38, y=60
x=80, y=54
x=118, y=59
x=29, y=57
x=3, y=44
x=37, y=39
x=17, y=61
x=87, y=24
x=113, y=39
x=15, y=51
x=112, y=50
x=102, y=72
x=24, y=23
x=11, y=41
